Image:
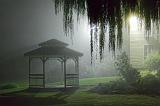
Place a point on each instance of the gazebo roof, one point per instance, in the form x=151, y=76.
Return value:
x=53, y=48
x=53, y=42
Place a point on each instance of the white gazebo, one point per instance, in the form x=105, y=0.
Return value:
x=58, y=50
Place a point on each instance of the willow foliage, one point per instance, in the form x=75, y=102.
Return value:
x=108, y=15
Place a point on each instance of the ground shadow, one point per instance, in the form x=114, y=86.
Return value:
x=15, y=99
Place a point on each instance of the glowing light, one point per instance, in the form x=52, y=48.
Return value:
x=133, y=21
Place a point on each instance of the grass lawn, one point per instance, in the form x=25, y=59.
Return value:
x=80, y=97
x=95, y=81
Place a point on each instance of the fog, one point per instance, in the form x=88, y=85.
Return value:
x=26, y=23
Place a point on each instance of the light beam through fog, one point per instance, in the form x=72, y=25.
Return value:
x=133, y=22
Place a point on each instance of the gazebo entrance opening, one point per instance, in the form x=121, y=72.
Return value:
x=50, y=66
x=54, y=73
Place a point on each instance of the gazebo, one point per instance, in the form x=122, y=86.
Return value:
x=58, y=50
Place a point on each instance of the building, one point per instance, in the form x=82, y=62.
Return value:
x=141, y=44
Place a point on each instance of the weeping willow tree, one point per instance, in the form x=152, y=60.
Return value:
x=108, y=15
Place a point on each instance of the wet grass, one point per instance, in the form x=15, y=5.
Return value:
x=79, y=97
x=97, y=80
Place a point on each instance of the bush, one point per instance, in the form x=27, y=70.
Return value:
x=145, y=72
x=114, y=87
x=149, y=84
x=132, y=82
x=8, y=86
x=130, y=74
x=152, y=62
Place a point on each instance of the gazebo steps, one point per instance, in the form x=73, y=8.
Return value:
x=52, y=89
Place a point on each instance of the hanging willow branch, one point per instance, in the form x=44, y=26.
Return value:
x=108, y=14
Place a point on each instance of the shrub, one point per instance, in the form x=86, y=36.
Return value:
x=132, y=82
x=145, y=72
x=130, y=74
x=114, y=87
x=152, y=62
x=8, y=86
x=149, y=84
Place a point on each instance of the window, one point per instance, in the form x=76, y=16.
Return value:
x=147, y=50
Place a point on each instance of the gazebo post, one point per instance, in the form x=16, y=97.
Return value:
x=44, y=61
x=29, y=70
x=75, y=80
x=78, y=70
x=65, y=83
x=62, y=71
x=62, y=66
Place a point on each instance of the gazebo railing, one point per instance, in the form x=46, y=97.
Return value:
x=72, y=80
x=36, y=77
